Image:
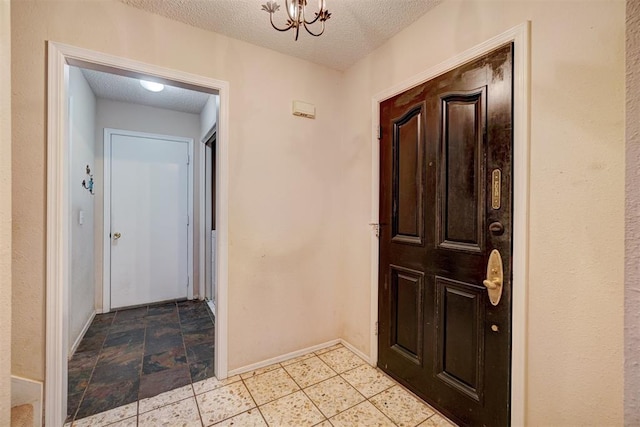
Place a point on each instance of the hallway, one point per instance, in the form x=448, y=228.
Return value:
x=139, y=353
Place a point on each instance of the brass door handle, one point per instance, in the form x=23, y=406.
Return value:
x=116, y=236
x=495, y=278
x=492, y=284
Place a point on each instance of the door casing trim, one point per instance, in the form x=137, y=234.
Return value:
x=106, y=223
x=58, y=218
x=520, y=37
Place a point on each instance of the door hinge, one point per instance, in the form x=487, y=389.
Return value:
x=188, y=159
x=188, y=282
x=188, y=221
x=376, y=227
x=376, y=328
x=379, y=132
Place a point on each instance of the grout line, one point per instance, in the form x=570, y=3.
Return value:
x=84, y=392
x=307, y=396
x=262, y=415
x=288, y=394
x=165, y=404
x=349, y=384
x=317, y=382
x=144, y=347
x=316, y=406
x=366, y=399
x=252, y=398
x=186, y=356
x=195, y=398
x=273, y=400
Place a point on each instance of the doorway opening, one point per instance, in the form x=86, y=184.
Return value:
x=80, y=228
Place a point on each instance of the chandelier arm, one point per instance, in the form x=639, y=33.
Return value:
x=311, y=32
x=279, y=29
x=312, y=22
x=288, y=9
x=304, y=20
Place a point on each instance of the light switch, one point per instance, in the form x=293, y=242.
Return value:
x=81, y=217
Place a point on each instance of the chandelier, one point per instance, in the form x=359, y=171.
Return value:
x=296, y=11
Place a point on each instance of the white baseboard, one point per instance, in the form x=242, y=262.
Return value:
x=284, y=357
x=76, y=343
x=358, y=353
x=25, y=391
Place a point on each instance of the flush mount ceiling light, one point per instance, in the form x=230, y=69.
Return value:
x=296, y=10
x=151, y=86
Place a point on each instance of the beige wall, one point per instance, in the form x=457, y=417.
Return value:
x=5, y=212
x=576, y=250
x=632, y=256
x=283, y=173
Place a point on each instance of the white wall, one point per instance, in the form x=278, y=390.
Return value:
x=209, y=115
x=82, y=116
x=632, y=257
x=576, y=231
x=139, y=118
x=5, y=212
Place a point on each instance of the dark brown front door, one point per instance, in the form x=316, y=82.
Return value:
x=445, y=204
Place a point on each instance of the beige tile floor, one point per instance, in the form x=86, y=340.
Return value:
x=329, y=387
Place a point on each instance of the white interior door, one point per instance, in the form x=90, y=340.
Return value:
x=149, y=219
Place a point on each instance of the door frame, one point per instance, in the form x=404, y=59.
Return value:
x=106, y=224
x=520, y=37
x=58, y=216
x=206, y=214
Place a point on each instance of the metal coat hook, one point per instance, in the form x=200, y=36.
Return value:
x=88, y=186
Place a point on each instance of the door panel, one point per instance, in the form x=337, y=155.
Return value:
x=407, y=286
x=439, y=334
x=149, y=210
x=460, y=341
x=408, y=219
x=461, y=164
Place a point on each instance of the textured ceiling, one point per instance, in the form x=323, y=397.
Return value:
x=356, y=27
x=127, y=89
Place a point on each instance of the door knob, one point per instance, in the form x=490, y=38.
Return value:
x=494, y=279
x=116, y=236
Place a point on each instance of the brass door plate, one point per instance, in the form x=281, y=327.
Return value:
x=496, y=184
x=494, y=279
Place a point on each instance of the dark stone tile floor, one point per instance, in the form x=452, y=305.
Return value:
x=138, y=353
